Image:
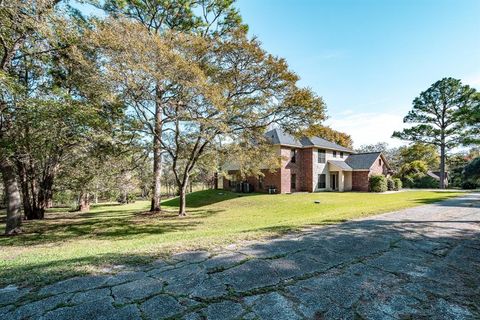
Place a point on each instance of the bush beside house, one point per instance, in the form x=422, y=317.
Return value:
x=378, y=183
x=390, y=184
x=397, y=184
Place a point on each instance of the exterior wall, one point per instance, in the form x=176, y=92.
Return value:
x=307, y=170
x=322, y=168
x=347, y=181
x=378, y=168
x=288, y=168
x=360, y=180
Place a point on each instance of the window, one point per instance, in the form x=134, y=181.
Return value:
x=334, y=153
x=321, y=181
x=380, y=162
x=260, y=183
x=293, y=155
x=293, y=182
x=341, y=154
x=321, y=156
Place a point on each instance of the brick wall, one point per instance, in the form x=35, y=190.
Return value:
x=360, y=180
x=288, y=168
x=307, y=170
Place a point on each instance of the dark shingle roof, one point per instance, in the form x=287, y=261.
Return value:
x=361, y=161
x=320, y=142
x=340, y=164
x=277, y=136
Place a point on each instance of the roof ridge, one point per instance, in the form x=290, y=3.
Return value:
x=358, y=153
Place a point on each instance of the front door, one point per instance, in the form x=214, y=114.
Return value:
x=333, y=181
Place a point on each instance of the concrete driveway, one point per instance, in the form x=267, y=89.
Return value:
x=419, y=263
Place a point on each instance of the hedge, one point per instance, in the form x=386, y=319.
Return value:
x=378, y=183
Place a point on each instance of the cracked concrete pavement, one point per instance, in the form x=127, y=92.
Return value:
x=418, y=263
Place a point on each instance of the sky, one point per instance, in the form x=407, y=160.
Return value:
x=369, y=59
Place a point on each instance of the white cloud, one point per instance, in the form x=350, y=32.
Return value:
x=369, y=128
x=472, y=80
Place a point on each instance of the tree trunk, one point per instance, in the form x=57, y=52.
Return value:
x=84, y=202
x=442, y=165
x=14, y=216
x=157, y=160
x=26, y=199
x=183, y=200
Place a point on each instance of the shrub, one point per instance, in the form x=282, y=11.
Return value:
x=378, y=183
x=397, y=184
x=390, y=184
x=469, y=185
x=426, y=182
x=408, y=182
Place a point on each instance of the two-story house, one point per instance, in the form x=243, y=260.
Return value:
x=313, y=164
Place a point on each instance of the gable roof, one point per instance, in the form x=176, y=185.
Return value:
x=362, y=161
x=277, y=136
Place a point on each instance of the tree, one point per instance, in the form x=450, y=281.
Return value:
x=470, y=118
x=378, y=147
x=438, y=115
x=420, y=151
x=472, y=169
x=206, y=18
x=22, y=23
x=242, y=90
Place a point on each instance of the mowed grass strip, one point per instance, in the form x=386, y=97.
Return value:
x=67, y=244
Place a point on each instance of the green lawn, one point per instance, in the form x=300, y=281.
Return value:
x=66, y=244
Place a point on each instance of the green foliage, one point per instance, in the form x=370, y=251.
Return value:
x=444, y=115
x=420, y=151
x=206, y=17
x=470, y=185
x=378, y=183
x=397, y=184
x=472, y=170
x=438, y=112
x=425, y=182
x=390, y=184
x=412, y=170
x=470, y=118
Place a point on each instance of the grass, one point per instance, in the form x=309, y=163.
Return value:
x=67, y=244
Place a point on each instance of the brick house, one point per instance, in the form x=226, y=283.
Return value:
x=312, y=164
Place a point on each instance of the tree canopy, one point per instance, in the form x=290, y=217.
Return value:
x=440, y=116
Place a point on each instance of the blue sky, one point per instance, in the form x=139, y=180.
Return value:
x=369, y=59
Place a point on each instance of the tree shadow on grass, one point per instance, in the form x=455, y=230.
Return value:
x=36, y=274
x=107, y=225
x=467, y=200
x=203, y=198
